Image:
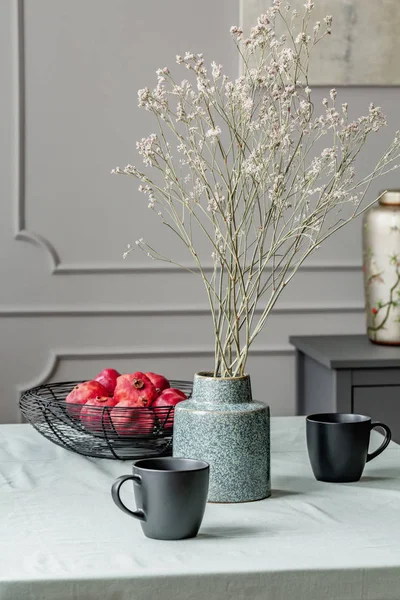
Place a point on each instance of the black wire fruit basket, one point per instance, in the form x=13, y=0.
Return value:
x=119, y=433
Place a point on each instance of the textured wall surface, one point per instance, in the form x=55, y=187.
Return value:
x=69, y=304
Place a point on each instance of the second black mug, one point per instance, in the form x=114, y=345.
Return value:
x=338, y=445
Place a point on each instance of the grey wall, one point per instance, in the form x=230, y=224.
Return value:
x=69, y=304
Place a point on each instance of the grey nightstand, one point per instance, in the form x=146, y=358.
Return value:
x=347, y=373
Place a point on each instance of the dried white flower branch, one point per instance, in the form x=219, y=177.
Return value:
x=244, y=170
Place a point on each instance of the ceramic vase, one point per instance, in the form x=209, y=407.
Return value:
x=222, y=425
x=381, y=252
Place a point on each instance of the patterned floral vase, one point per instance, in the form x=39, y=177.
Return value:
x=381, y=250
x=222, y=425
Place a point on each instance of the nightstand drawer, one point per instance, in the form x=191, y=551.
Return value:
x=382, y=403
x=380, y=377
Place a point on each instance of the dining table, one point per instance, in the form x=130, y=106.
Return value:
x=62, y=537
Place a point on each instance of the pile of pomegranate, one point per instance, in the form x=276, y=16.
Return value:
x=136, y=403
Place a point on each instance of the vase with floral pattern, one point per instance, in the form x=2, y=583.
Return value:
x=381, y=266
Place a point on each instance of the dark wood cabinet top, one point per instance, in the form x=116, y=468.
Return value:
x=347, y=351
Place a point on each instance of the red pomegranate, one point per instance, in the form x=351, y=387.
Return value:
x=108, y=378
x=93, y=417
x=177, y=392
x=81, y=394
x=128, y=420
x=136, y=389
x=159, y=381
x=169, y=398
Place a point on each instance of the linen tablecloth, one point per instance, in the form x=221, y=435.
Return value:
x=62, y=538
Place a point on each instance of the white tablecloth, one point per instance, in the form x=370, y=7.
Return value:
x=62, y=538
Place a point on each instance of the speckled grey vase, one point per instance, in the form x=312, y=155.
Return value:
x=222, y=425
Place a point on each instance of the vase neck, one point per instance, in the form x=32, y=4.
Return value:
x=220, y=390
x=390, y=198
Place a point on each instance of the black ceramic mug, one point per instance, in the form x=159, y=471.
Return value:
x=338, y=445
x=172, y=495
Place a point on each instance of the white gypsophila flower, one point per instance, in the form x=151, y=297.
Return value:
x=203, y=85
x=158, y=99
x=131, y=170
x=180, y=112
x=237, y=32
x=317, y=26
x=314, y=169
x=213, y=134
x=304, y=111
x=309, y=5
x=248, y=105
x=212, y=205
x=333, y=94
x=152, y=200
x=144, y=97
x=181, y=148
x=145, y=189
x=329, y=153
x=147, y=149
x=316, y=190
x=376, y=118
x=216, y=70
x=286, y=60
x=332, y=118
x=301, y=37
x=216, y=202
x=253, y=165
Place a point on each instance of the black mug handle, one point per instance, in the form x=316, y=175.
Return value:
x=115, y=490
x=385, y=442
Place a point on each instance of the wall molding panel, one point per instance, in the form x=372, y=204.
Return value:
x=56, y=356
x=195, y=311
x=23, y=233
x=109, y=269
